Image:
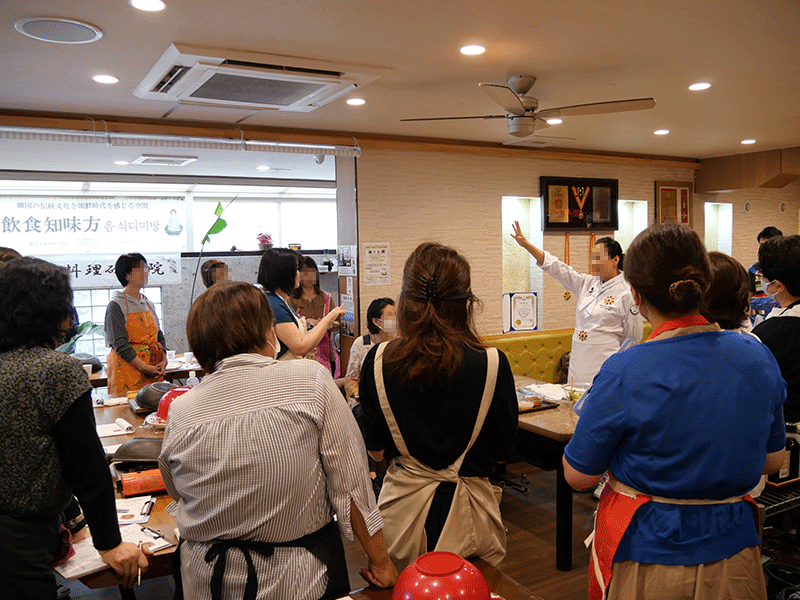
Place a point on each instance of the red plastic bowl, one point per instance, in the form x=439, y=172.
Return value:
x=440, y=576
x=166, y=400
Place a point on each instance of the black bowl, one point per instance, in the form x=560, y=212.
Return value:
x=150, y=395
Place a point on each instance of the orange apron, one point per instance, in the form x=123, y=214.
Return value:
x=142, y=334
x=618, y=504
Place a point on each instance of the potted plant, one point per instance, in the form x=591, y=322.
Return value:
x=264, y=241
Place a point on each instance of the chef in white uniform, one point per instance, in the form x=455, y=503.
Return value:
x=606, y=315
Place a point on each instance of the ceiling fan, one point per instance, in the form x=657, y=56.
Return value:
x=523, y=116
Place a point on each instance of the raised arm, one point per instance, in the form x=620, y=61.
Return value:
x=303, y=343
x=520, y=238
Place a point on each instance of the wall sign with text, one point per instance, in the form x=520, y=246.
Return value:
x=97, y=270
x=39, y=225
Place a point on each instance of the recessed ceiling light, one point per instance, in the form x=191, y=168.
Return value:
x=148, y=5
x=262, y=168
x=748, y=141
x=121, y=163
x=702, y=85
x=661, y=131
x=105, y=79
x=554, y=121
x=356, y=101
x=473, y=50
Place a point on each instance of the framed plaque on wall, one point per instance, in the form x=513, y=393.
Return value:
x=674, y=202
x=577, y=203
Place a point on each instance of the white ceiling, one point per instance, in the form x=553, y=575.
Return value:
x=581, y=51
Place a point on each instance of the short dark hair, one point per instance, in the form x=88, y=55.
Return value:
x=613, y=249
x=306, y=262
x=7, y=254
x=375, y=311
x=35, y=299
x=780, y=259
x=767, y=233
x=208, y=269
x=227, y=319
x=126, y=264
x=667, y=265
x=278, y=269
x=727, y=301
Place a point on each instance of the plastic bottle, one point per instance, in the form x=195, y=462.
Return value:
x=192, y=380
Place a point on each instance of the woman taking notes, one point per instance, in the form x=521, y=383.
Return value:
x=605, y=316
x=686, y=423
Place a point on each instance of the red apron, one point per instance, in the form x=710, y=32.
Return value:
x=618, y=504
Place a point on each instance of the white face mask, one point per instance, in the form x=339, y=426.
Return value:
x=389, y=326
x=764, y=284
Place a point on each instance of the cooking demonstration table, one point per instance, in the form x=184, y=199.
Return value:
x=100, y=379
x=541, y=440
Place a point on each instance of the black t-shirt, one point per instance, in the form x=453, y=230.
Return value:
x=781, y=334
x=437, y=422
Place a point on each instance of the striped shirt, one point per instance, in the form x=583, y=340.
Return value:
x=263, y=450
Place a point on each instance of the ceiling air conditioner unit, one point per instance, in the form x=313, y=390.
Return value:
x=228, y=78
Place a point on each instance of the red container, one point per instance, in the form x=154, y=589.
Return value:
x=441, y=576
x=166, y=400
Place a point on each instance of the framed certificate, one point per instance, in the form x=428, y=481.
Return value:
x=572, y=203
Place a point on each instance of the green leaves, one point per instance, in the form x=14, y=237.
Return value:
x=218, y=225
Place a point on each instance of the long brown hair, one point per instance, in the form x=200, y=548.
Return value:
x=434, y=315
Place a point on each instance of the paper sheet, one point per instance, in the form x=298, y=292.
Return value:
x=551, y=391
x=87, y=559
x=118, y=427
x=130, y=510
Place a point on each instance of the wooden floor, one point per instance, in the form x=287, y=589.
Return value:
x=531, y=544
x=531, y=555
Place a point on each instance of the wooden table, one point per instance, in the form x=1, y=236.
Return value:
x=541, y=440
x=160, y=562
x=499, y=583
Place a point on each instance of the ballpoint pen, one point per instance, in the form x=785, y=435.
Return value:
x=139, y=577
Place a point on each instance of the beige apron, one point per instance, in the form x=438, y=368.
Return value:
x=473, y=526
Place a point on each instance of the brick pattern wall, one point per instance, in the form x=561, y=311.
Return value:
x=405, y=198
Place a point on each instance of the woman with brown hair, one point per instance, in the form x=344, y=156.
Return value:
x=675, y=422
x=727, y=301
x=259, y=457
x=214, y=271
x=442, y=407
x=311, y=302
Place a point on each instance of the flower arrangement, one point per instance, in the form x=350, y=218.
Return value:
x=264, y=238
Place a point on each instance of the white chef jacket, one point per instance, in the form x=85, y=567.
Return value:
x=605, y=317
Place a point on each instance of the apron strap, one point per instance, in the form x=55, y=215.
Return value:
x=327, y=304
x=492, y=363
x=492, y=360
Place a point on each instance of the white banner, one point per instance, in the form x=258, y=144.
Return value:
x=68, y=225
x=97, y=270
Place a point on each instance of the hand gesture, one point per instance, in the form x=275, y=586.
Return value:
x=126, y=560
x=517, y=234
x=339, y=311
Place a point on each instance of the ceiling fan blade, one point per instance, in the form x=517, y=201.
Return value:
x=597, y=108
x=533, y=138
x=540, y=124
x=456, y=118
x=505, y=97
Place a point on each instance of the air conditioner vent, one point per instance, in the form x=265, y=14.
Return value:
x=252, y=65
x=170, y=79
x=226, y=88
x=249, y=80
x=161, y=160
